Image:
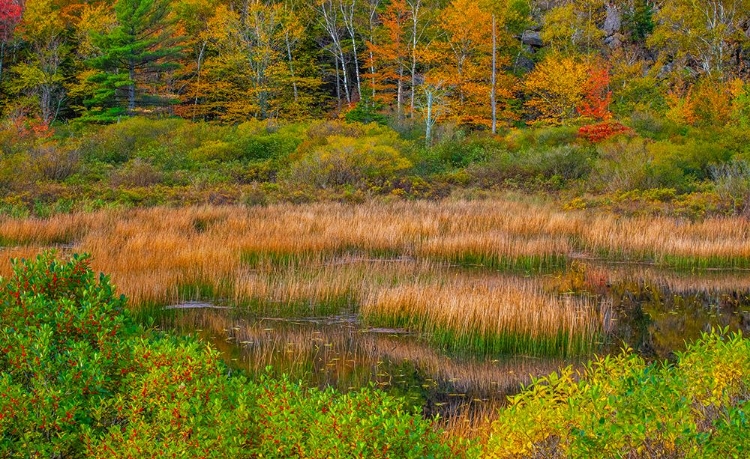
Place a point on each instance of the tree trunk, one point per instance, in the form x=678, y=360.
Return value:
x=338, y=84
x=345, y=79
x=198, y=79
x=493, y=91
x=291, y=66
x=348, y=16
x=415, y=23
x=131, y=87
x=400, y=96
x=373, y=11
x=428, y=121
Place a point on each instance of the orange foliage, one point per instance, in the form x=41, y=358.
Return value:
x=391, y=53
x=602, y=131
x=681, y=106
x=595, y=103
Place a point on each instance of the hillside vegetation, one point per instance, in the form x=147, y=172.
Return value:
x=657, y=169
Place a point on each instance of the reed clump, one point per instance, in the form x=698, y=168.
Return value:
x=492, y=315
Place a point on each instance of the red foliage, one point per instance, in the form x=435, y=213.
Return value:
x=10, y=15
x=600, y=131
x=598, y=96
x=595, y=105
x=31, y=127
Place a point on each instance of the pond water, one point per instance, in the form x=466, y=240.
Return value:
x=654, y=312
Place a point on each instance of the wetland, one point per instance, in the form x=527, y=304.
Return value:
x=453, y=306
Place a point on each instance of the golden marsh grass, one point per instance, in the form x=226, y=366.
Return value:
x=390, y=259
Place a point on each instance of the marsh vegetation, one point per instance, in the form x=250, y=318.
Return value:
x=450, y=306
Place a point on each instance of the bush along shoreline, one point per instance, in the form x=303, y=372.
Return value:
x=80, y=378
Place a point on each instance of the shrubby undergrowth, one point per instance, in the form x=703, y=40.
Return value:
x=80, y=379
x=143, y=162
x=623, y=407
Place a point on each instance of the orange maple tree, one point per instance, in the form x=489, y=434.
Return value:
x=391, y=55
x=595, y=106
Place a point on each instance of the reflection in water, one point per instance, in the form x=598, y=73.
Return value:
x=658, y=311
x=655, y=312
x=338, y=352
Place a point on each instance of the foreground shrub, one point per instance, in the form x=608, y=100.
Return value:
x=622, y=407
x=60, y=355
x=78, y=378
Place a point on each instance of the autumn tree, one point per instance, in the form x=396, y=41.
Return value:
x=574, y=26
x=391, y=53
x=38, y=78
x=194, y=17
x=94, y=20
x=332, y=22
x=373, y=7
x=595, y=106
x=476, y=51
x=10, y=16
x=252, y=69
x=468, y=46
x=706, y=35
x=555, y=88
x=597, y=96
x=423, y=15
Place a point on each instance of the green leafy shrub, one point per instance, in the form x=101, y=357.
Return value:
x=647, y=124
x=535, y=168
x=638, y=164
x=119, y=142
x=366, y=423
x=367, y=111
x=60, y=354
x=622, y=407
x=10, y=165
x=215, y=150
x=271, y=142
x=362, y=162
x=549, y=136
x=458, y=153
x=78, y=378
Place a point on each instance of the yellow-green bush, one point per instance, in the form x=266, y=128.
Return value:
x=362, y=162
x=623, y=407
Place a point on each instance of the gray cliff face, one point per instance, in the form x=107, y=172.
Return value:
x=612, y=26
x=532, y=38
x=613, y=21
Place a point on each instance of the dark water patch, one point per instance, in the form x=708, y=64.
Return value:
x=658, y=321
x=657, y=311
x=339, y=352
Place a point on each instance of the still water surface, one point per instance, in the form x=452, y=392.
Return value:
x=652, y=311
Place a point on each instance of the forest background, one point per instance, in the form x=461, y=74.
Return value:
x=613, y=102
